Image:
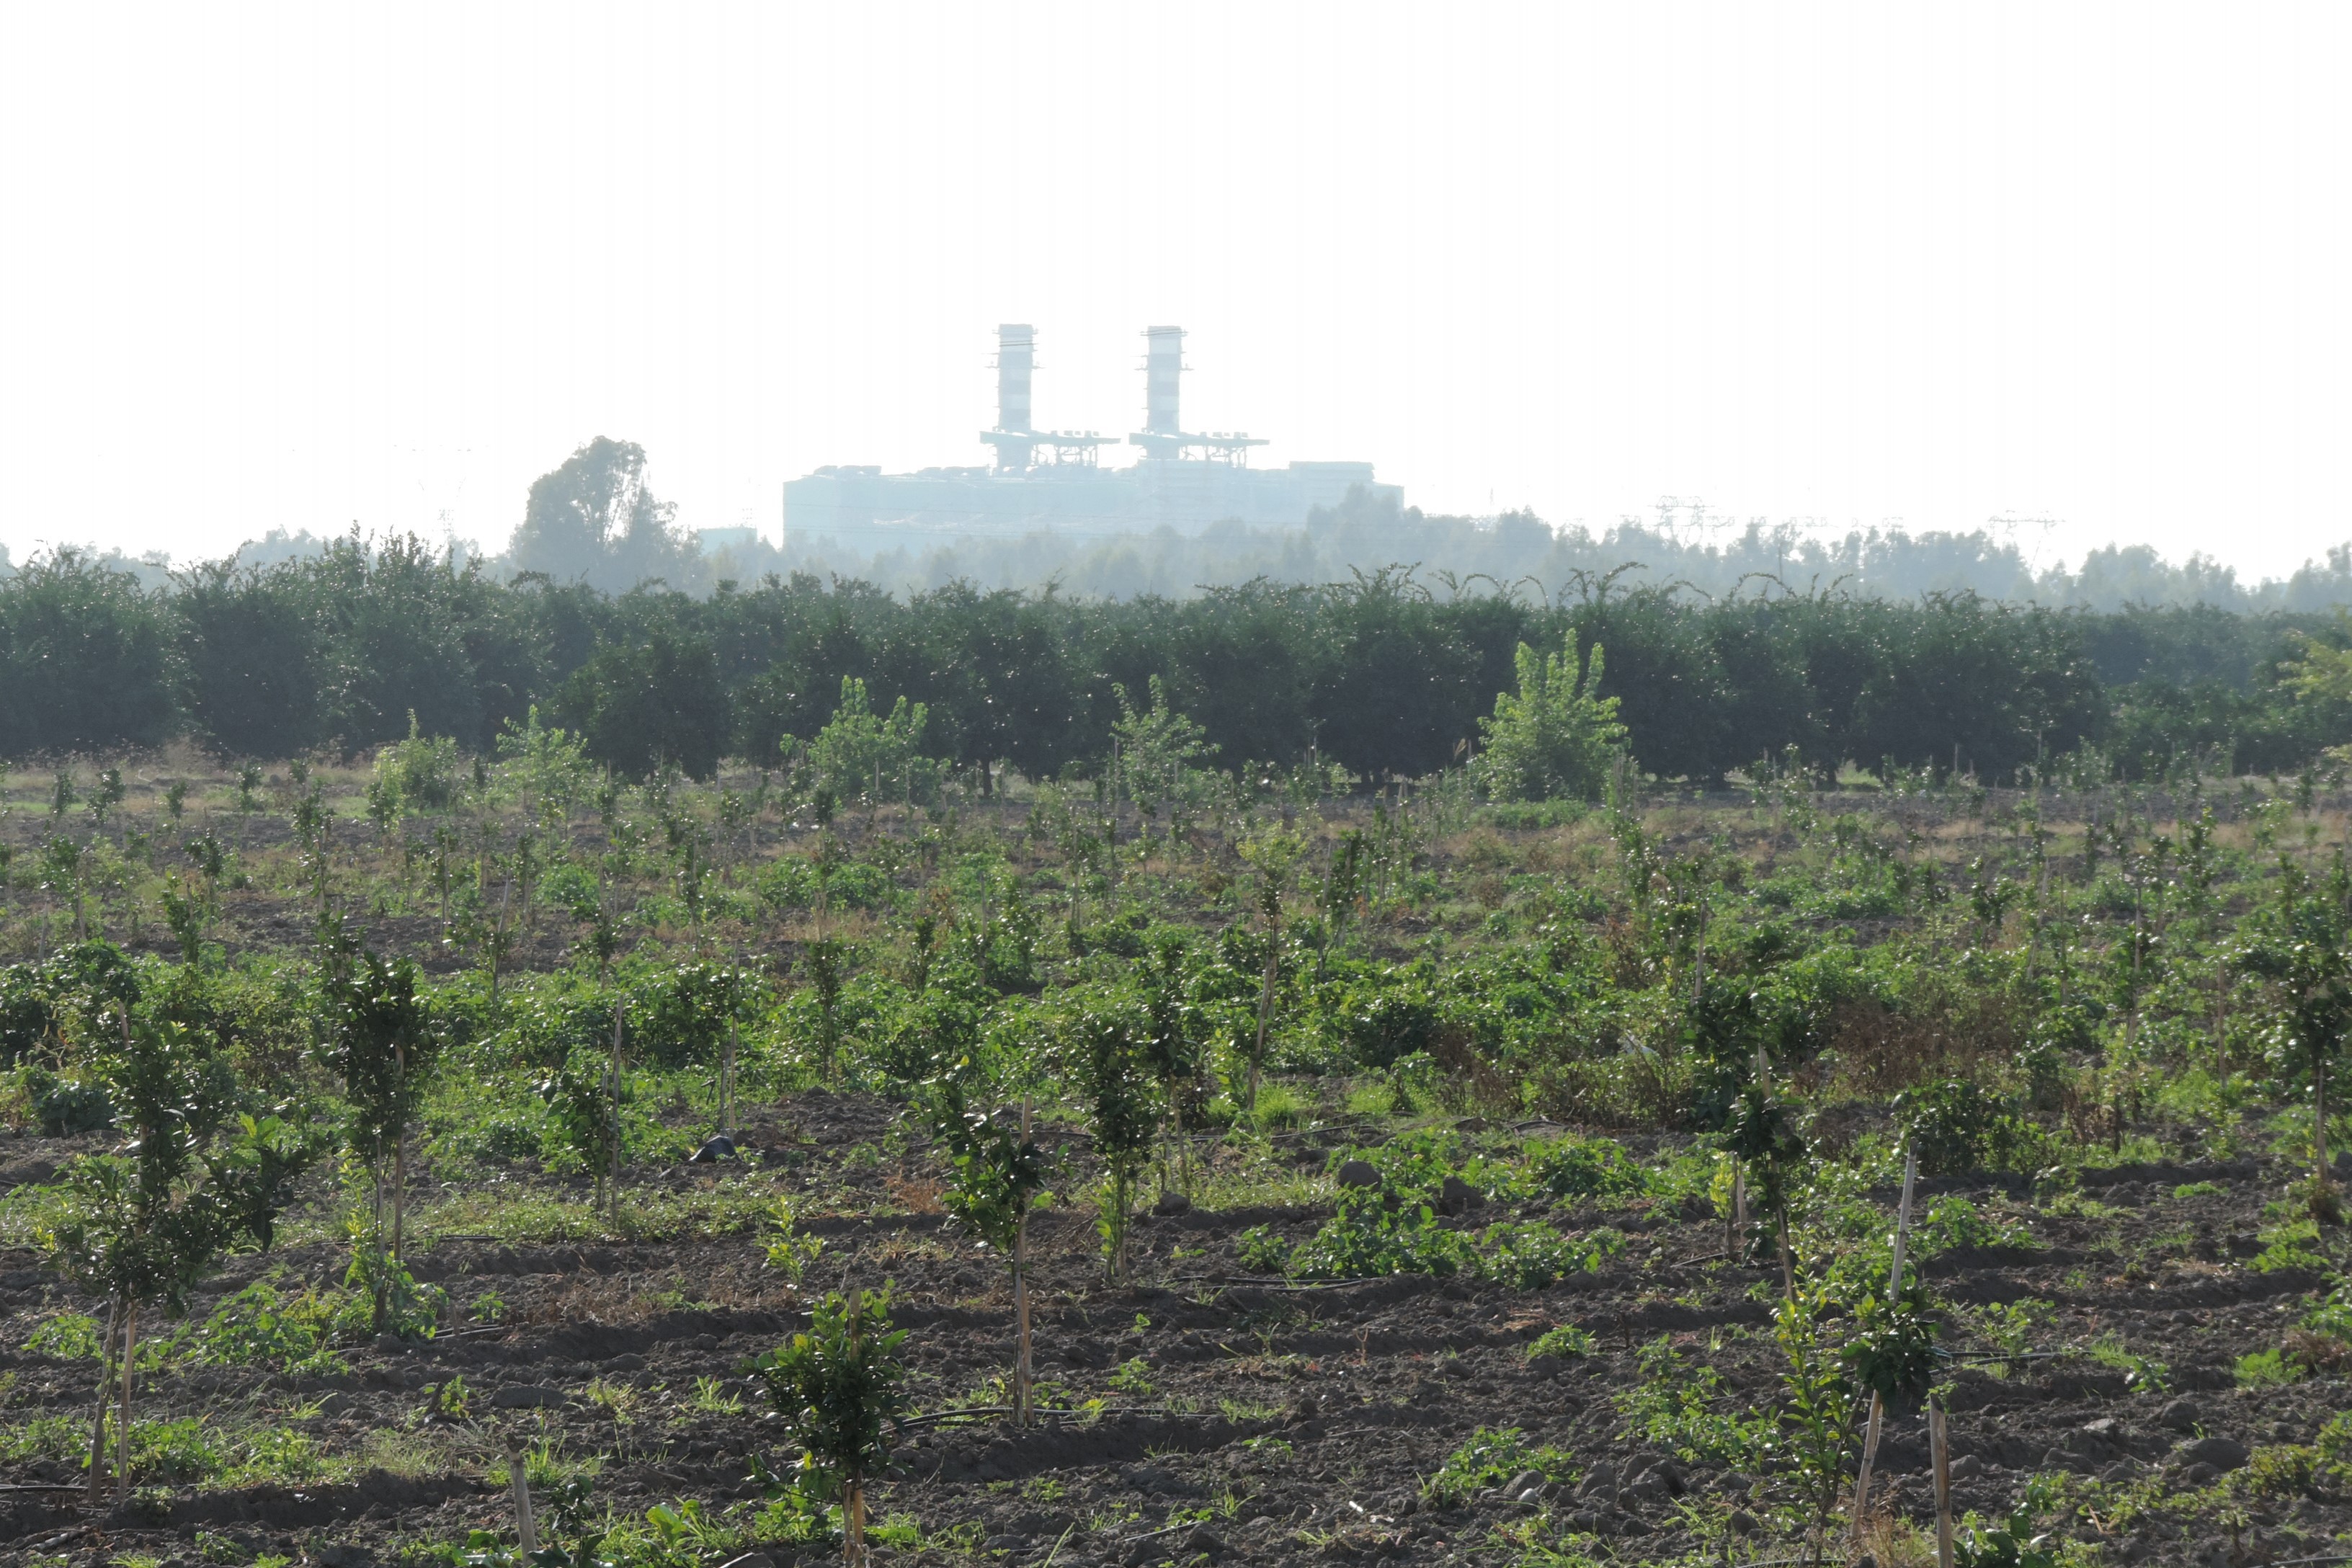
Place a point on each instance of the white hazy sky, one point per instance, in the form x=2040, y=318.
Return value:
x=296, y=266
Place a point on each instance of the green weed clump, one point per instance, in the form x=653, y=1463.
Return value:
x=1953, y=1222
x=263, y=1325
x=1586, y=1167
x=1532, y=1255
x=1677, y=1406
x=1563, y=1339
x=1492, y=1456
x=1370, y=1237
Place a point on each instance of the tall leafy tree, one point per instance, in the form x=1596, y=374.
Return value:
x=1556, y=737
x=83, y=658
x=996, y=1172
x=141, y=1228
x=2306, y=954
x=1394, y=691
x=1105, y=1060
x=378, y=1043
x=593, y=519
x=639, y=705
x=835, y=1387
x=249, y=651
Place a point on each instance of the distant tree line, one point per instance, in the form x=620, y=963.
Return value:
x=336, y=651
x=1473, y=554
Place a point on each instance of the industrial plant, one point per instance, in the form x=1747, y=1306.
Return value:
x=1052, y=480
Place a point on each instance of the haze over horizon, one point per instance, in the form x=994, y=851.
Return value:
x=282, y=268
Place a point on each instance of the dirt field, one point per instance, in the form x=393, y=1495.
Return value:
x=1243, y=1422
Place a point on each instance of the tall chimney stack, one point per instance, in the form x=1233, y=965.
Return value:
x=1163, y=367
x=1016, y=356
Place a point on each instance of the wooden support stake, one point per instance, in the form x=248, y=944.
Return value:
x=518, y=1483
x=1939, y=1443
x=1022, y=1400
x=122, y=1434
x=613, y=1130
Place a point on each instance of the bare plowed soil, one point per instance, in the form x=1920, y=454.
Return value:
x=1240, y=1422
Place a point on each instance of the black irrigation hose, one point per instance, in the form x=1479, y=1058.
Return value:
x=1062, y=1414
x=1250, y=1282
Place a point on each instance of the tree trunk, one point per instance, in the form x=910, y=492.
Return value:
x=106, y=1335
x=853, y=1495
x=2319, y=1163
x=1122, y=1203
x=123, y=1432
x=726, y=1087
x=399, y=1189
x=1023, y=1377
x=1869, y=1459
x=852, y=1524
x=1698, y=978
x=1021, y=1363
x=1264, y=1013
x=612, y=1153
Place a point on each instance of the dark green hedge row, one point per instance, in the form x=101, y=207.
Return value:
x=337, y=651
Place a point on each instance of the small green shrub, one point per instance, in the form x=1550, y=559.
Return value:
x=2277, y=1472
x=1532, y=1255
x=281, y=1454
x=1368, y=1237
x=1262, y=1251
x=1954, y=1222
x=1280, y=1106
x=2013, y=1543
x=46, y=1437
x=261, y=1325
x=1565, y=1341
x=411, y=1310
x=1673, y=1405
x=790, y=1251
x=1586, y=1167
x=2293, y=1246
x=67, y=1106
x=1951, y=1124
x=1388, y=1030
x=2265, y=1369
x=1492, y=1456
x=2010, y=1326
x=2142, y=1375
x=179, y=1450
x=69, y=1336
x=836, y=1388
x=452, y=1399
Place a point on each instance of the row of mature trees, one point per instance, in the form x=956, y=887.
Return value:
x=338, y=650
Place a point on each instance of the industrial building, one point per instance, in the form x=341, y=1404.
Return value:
x=1052, y=480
